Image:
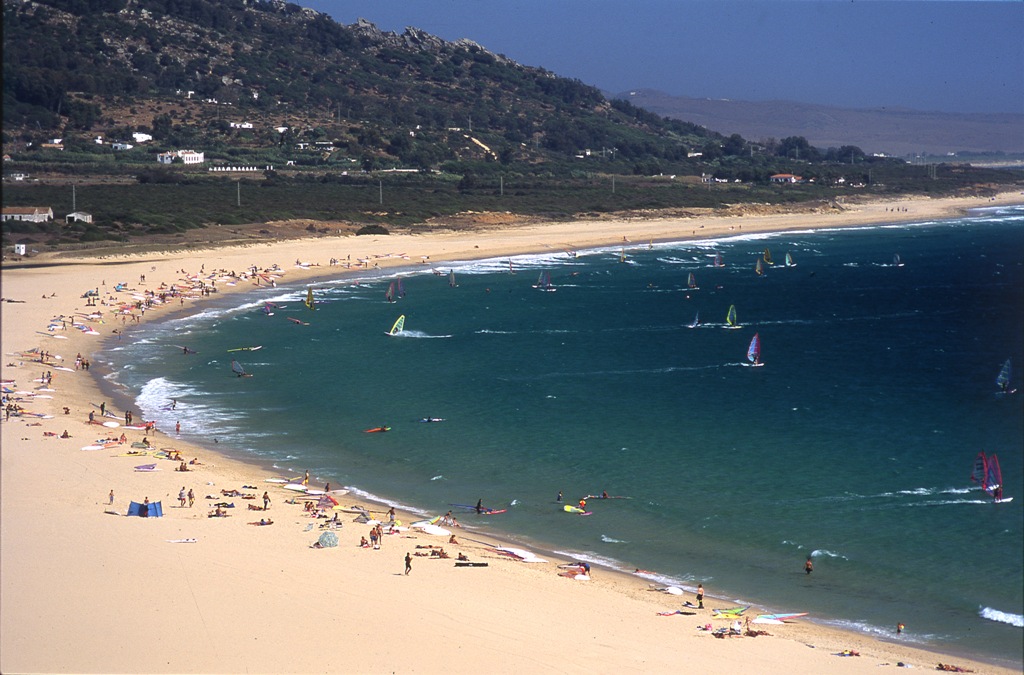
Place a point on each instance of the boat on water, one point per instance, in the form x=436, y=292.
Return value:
x=1003, y=379
x=730, y=318
x=989, y=476
x=398, y=326
x=691, y=282
x=695, y=322
x=544, y=282
x=789, y=260
x=754, y=350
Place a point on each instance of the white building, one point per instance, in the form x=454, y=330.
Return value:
x=140, y=137
x=35, y=214
x=186, y=156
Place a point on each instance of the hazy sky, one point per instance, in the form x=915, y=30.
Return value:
x=922, y=54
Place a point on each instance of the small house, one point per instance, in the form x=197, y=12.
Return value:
x=785, y=178
x=34, y=214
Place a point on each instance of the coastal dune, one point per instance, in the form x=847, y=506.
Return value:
x=85, y=589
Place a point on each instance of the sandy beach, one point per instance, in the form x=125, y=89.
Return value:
x=85, y=589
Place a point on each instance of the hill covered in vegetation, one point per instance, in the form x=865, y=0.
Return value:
x=94, y=90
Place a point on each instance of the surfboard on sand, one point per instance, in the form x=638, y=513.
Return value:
x=464, y=563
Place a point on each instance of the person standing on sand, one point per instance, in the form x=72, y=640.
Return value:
x=191, y=497
x=408, y=563
x=266, y=501
x=305, y=481
x=181, y=497
x=700, y=596
x=110, y=498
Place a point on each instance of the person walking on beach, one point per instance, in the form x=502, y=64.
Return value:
x=103, y=408
x=266, y=501
x=408, y=563
x=808, y=566
x=110, y=498
x=700, y=596
x=191, y=497
x=181, y=497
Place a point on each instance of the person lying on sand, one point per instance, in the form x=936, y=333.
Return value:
x=263, y=521
x=950, y=668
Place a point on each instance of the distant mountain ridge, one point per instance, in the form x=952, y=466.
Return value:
x=893, y=131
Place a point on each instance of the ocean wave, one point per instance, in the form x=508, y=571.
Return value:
x=823, y=552
x=611, y=540
x=1001, y=617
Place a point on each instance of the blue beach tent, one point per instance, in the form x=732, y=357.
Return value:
x=151, y=510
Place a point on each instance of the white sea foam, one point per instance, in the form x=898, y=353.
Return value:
x=612, y=540
x=1001, y=617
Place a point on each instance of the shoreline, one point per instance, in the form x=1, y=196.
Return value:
x=210, y=577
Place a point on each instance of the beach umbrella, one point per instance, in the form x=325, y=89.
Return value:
x=328, y=539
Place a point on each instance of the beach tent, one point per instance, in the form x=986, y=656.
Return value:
x=151, y=510
x=327, y=502
x=328, y=539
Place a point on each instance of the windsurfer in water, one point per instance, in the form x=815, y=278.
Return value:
x=480, y=505
x=809, y=566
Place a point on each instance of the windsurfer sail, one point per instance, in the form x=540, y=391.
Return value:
x=389, y=294
x=718, y=260
x=451, y=279
x=1003, y=379
x=730, y=318
x=896, y=260
x=759, y=268
x=237, y=368
x=696, y=321
x=544, y=282
x=691, y=282
x=768, y=257
x=754, y=350
x=789, y=260
x=989, y=476
x=400, y=288
x=310, y=303
x=398, y=326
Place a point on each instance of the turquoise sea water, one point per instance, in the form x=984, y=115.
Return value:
x=853, y=444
